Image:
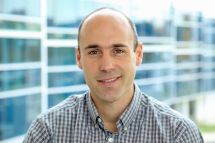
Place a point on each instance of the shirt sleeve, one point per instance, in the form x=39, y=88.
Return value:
x=38, y=133
x=188, y=132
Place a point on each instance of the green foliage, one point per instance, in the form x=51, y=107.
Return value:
x=206, y=127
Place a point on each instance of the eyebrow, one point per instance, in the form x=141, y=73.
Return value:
x=119, y=45
x=91, y=46
x=96, y=46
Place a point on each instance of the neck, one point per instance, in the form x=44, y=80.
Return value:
x=110, y=112
x=110, y=115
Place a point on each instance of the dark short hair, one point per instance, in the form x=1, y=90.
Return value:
x=115, y=10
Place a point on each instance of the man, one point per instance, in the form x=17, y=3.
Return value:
x=114, y=109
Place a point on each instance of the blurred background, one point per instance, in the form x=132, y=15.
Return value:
x=38, y=67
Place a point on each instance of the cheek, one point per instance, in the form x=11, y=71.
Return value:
x=89, y=69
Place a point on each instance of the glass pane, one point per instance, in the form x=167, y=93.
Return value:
x=207, y=84
x=151, y=73
x=23, y=7
x=187, y=87
x=62, y=36
x=17, y=113
x=10, y=80
x=10, y=25
x=66, y=79
x=156, y=57
x=61, y=56
x=184, y=34
x=188, y=71
x=159, y=91
x=208, y=59
x=151, y=28
x=69, y=13
x=188, y=58
x=57, y=98
x=19, y=50
x=209, y=38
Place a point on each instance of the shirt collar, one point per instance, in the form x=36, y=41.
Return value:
x=130, y=113
x=91, y=108
x=127, y=116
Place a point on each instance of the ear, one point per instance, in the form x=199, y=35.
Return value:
x=78, y=58
x=139, y=54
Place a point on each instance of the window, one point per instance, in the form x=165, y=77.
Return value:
x=207, y=84
x=66, y=79
x=17, y=113
x=23, y=7
x=151, y=28
x=10, y=25
x=10, y=80
x=19, y=50
x=61, y=56
x=56, y=98
x=156, y=57
x=160, y=91
x=187, y=58
x=187, y=87
x=152, y=73
x=188, y=71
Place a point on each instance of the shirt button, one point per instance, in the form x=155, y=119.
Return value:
x=100, y=120
x=110, y=139
x=125, y=128
x=96, y=126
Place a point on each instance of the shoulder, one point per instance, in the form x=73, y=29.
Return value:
x=43, y=127
x=158, y=108
x=168, y=119
x=70, y=105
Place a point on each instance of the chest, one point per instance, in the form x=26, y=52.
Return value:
x=88, y=132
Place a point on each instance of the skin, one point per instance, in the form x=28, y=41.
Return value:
x=109, y=63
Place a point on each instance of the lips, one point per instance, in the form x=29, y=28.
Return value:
x=108, y=80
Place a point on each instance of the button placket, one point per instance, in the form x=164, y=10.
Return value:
x=110, y=139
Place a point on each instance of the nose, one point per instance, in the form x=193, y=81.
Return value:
x=106, y=62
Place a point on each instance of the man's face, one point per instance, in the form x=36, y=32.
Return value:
x=107, y=58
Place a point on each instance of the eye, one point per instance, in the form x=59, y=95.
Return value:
x=119, y=51
x=93, y=52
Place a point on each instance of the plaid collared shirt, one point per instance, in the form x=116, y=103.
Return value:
x=146, y=120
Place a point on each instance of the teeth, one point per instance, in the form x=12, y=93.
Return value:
x=109, y=80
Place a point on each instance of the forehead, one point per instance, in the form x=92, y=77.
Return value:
x=103, y=19
x=106, y=13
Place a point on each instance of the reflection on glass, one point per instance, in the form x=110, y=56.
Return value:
x=184, y=34
x=188, y=71
x=207, y=84
x=19, y=25
x=61, y=56
x=62, y=36
x=17, y=113
x=189, y=34
x=150, y=28
x=10, y=80
x=151, y=73
x=23, y=7
x=187, y=87
x=57, y=98
x=208, y=59
x=19, y=50
x=209, y=69
x=160, y=91
x=65, y=79
x=209, y=38
x=188, y=58
x=156, y=57
x=68, y=13
x=189, y=46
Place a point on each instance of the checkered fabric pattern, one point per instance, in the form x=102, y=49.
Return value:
x=146, y=120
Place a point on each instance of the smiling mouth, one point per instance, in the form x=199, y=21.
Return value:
x=110, y=80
